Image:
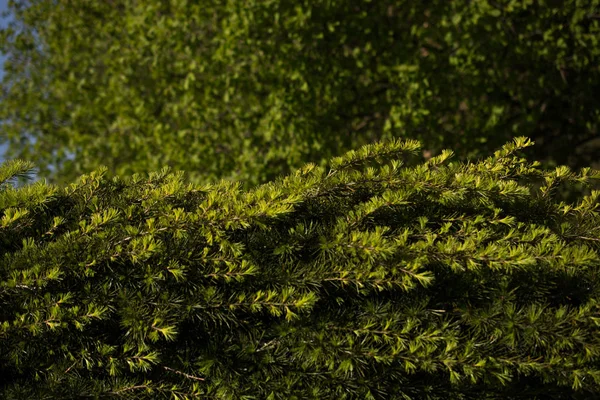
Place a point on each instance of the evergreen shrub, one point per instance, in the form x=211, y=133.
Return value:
x=376, y=277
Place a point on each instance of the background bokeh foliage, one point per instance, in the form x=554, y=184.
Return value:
x=249, y=89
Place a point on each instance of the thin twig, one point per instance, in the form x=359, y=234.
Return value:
x=184, y=374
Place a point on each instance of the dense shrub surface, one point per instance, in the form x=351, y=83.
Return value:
x=374, y=278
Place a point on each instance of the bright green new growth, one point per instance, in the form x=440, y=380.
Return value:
x=374, y=278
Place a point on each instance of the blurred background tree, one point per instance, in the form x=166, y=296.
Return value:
x=249, y=89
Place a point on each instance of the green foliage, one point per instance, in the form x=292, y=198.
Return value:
x=251, y=89
x=376, y=277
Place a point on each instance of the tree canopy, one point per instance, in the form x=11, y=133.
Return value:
x=250, y=89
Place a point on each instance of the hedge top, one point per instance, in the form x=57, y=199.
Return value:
x=377, y=277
